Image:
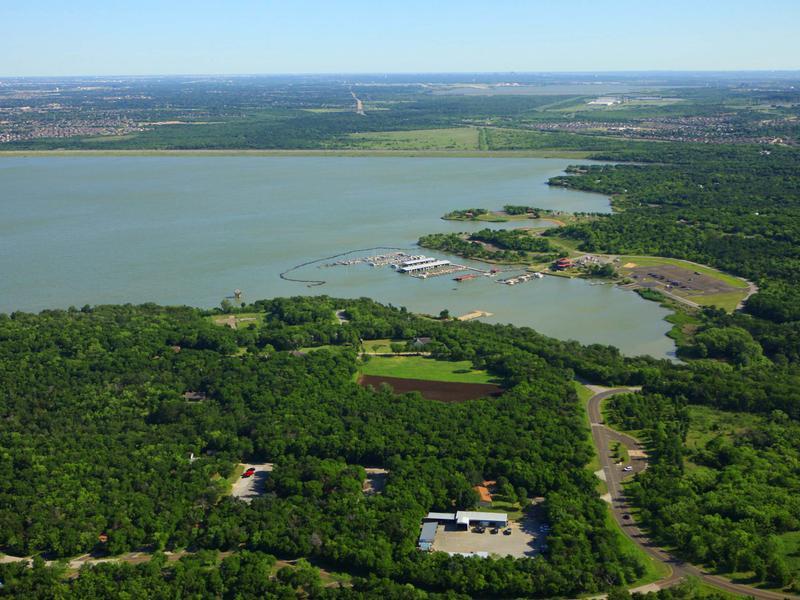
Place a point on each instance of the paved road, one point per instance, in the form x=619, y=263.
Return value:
x=603, y=437
x=681, y=299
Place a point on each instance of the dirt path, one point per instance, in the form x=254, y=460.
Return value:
x=359, y=104
x=752, y=288
x=603, y=436
x=89, y=559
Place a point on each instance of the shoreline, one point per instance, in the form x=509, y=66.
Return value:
x=576, y=154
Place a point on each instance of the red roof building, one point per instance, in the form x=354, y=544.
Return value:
x=564, y=263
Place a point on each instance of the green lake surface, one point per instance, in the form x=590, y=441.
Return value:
x=190, y=230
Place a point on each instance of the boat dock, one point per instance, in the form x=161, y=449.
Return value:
x=378, y=260
x=520, y=278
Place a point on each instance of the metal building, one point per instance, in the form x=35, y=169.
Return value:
x=427, y=536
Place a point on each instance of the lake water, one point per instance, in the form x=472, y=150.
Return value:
x=189, y=230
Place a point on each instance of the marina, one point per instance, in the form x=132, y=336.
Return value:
x=418, y=266
x=251, y=212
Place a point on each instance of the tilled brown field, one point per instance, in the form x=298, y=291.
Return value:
x=443, y=391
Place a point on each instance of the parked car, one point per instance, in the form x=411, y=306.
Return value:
x=507, y=531
x=248, y=473
x=495, y=531
x=628, y=468
x=479, y=529
x=626, y=517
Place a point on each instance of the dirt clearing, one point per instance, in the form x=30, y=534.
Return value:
x=442, y=391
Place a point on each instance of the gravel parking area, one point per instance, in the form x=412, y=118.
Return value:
x=525, y=540
x=375, y=481
x=247, y=488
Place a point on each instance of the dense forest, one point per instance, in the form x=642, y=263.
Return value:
x=98, y=436
x=731, y=501
x=123, y=425
x=725, y=503
x=502, y=245
x=737, y=209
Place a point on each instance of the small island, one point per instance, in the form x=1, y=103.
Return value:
x=519, y=212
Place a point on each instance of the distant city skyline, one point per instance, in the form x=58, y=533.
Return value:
x=93, y=37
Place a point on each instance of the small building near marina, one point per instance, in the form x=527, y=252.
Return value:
x=427, y=536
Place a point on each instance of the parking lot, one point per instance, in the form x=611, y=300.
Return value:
x=375, y=481
x=248, y=488
x=525, y=539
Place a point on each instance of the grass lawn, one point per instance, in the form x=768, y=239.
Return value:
x=654, y=569
x=421, y=367
x=232, y=478
x=569, y=245
x=323, y=347
x=707, y=423
x=708, y=590
x=789, y=548
x=512, y=509
x=584, y=394
x=728, y=300
x=242, y=319
x=455, y=138
x=383, y=345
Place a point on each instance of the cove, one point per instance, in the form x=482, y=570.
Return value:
x=191, y=229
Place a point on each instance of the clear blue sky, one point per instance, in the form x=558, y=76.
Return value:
x=99, y=37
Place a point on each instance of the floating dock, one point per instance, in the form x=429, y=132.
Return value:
x=520, y=278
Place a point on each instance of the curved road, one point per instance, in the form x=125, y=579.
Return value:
x=603, y=437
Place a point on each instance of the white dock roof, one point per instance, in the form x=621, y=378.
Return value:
x=418, y=261
x=427, y=265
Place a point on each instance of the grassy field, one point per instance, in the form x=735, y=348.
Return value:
x=242, y=319
x=531, y=153
x=790, y=549
x=708, y=590
x=707, y=423
x=323, y=347
x=383, y=345
x=684, y=324
x=727, y=300
x=654, y=261
x=513, y=510
x=420, y=367
x=654, y=569
x=455, y=138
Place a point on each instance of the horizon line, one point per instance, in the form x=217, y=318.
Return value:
x=397, y=73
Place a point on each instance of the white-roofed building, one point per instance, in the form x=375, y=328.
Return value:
x=425, y=266
x=440, y=517
x=466, y=518
x=417, y=261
